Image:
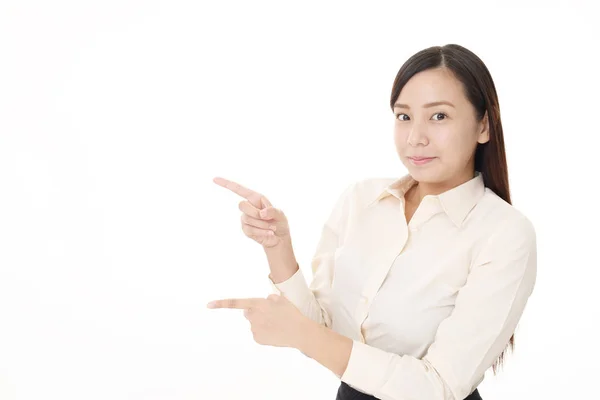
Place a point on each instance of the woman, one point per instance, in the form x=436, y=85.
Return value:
x=418, y=282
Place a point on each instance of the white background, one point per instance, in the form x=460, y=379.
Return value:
x=116, y=115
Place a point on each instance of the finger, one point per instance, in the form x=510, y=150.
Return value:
x=256, y=232
x=265, y=202
x=254, y=197
x=271, y=213
x=249, y=313
x=237, y=303
x=247, y=208
x=257, y=223
x=267, y=213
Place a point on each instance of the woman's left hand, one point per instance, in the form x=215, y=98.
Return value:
x=275, y=321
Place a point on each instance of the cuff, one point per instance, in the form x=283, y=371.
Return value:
x=367, y=367
x=295, y=288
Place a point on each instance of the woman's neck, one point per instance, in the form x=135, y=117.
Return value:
x=422, y=189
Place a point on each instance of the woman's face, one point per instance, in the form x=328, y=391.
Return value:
x=436, y=130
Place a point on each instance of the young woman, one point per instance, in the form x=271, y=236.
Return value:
x=418, y=282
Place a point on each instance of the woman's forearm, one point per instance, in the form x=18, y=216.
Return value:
x=325, y=346
x=282, y=261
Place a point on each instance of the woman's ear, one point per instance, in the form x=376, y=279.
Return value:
x=484, y=130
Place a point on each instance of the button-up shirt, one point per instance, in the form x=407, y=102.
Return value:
x=429, y=304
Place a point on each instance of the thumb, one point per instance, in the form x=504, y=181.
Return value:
x=270, y=213
x=264, y=202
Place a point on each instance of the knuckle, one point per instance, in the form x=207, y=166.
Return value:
x=255, y=199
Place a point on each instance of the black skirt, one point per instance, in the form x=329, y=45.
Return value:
x=346, y=392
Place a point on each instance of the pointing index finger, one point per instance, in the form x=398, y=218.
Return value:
x=236, y=303
x=234, y=187
x=255, y=198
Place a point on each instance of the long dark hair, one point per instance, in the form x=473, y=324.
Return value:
x=468, y=68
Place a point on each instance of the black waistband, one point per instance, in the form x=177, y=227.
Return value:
x=346, y=392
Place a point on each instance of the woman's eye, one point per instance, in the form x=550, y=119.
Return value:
x=444, y=116
x=399, y=116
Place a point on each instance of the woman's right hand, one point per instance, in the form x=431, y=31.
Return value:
x=261, y=222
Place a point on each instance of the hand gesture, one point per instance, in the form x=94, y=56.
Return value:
x=274, y=321
x=261, y=221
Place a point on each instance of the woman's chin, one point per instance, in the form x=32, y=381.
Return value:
x=422, y=174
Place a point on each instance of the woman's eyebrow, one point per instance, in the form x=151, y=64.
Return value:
x=435, y=103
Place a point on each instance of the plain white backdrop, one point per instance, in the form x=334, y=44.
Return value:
x=116, y=115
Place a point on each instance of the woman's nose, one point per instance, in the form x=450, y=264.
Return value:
x=417, y=136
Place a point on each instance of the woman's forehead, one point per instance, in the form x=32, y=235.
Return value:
x=432, y=86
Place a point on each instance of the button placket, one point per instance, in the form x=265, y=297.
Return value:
x=385, y=240
x=363, y=312
x=362, y=309
x=374, y=283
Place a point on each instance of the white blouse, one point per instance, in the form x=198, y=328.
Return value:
x=429, y=305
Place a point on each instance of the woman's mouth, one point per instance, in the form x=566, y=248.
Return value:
x=420, y=160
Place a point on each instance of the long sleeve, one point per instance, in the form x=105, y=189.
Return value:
x=487, y=310
x=314, y=301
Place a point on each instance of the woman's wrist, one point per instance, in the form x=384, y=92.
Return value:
x=282, y=261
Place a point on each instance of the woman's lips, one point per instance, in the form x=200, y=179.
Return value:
x=420, y=160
